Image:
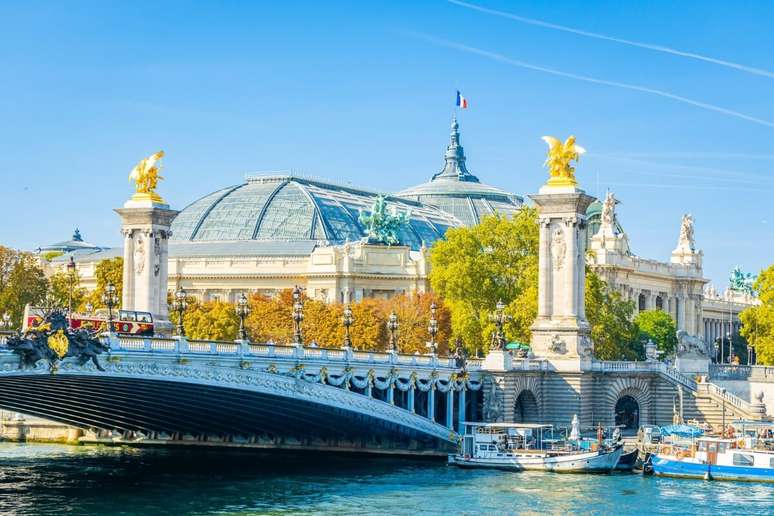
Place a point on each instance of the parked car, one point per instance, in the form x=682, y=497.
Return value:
x=649, y=434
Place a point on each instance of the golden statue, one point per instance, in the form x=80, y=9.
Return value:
x=558, y=161
x=146, y=175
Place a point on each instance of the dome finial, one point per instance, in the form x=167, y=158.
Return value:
x=454, y=167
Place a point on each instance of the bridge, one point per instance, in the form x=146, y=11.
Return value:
x=174, y=390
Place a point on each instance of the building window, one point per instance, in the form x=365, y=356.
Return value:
x=742, y=459
x=641, y=302
x=659, y=303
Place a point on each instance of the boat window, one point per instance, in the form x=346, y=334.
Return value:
x=703, y=446
x=492, y=447
x=722, y=447
x=771, y=462
x=742, y=459
x=143, y=317
x=482, y=447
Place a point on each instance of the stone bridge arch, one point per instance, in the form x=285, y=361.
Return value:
x=528, y=400
x=619, y=395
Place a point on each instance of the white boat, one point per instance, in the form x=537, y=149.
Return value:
x=529, y=447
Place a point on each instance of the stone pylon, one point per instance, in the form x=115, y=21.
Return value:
x=561, y=332
x=145, y=227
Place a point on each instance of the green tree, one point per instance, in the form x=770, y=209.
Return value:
x=758, y=321
x=110, y=270
x=475, y=267
x=658, y=326
x=22, y=282
x=60, y=285
x=612, y=330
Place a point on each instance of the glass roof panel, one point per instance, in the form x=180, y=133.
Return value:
x=235, y=216
x=186, y=221
x=288, y=217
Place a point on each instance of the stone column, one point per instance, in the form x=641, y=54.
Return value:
x=145, y=226
x=561, y=332
x=450, y=409
x=431, y=403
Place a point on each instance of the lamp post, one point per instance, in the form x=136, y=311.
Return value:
x=499, y=319
x=298, y=316
x=242, y=310
x=110, y=299
x=347, y=319
x=179, y=305
x=730, y=349
x=392, y=327
x=433, y=328
x=71, y=283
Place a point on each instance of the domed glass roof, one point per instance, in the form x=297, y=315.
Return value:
x=460, y=193
x=288, y=208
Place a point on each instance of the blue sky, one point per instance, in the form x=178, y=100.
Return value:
x=363, y=92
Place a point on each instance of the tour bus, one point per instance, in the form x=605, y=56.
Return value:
x=128, y=322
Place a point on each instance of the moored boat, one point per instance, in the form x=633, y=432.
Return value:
x=713, y=458
x=529, y=447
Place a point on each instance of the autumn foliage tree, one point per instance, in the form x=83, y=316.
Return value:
x=270, y=319
x=22, y=282
x=209, y=320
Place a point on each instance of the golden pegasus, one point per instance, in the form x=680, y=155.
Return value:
x=146, y=175
x=560, y=172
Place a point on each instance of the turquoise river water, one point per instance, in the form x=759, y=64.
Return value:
x=47, y=479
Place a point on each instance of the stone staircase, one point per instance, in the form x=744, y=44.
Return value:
x=703, y=402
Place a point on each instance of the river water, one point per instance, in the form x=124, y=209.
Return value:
x=44, y=479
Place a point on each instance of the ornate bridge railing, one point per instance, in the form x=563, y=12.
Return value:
x=244, y=349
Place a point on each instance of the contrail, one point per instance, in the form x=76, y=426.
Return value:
x=644, y=89
x=657, y=48
x=681, y=155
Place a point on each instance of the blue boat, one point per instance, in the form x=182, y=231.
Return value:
x=712, y=458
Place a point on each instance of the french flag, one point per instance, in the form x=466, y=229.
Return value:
x=462, y=102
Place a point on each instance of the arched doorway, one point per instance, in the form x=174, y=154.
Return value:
x=526, y=409
x=627, y=412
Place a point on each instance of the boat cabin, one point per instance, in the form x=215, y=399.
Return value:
x=503, y=439
x=731, y=452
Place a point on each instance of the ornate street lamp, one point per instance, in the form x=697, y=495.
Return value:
x=71, y=283
x=499, y=318
x=110, y=299
x=242, y=310
x=392, y=327
x=179, y=305
x=347, y=319
x=433, y=328
x=298, y=316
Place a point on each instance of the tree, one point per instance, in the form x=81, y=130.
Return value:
x=413, y=311
x=475, y=267
x=612, y=330
x=109, y=270
x=60, y=284
x=658, y=326
x=211, y=320
x=22, y=282
x=758, y=321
